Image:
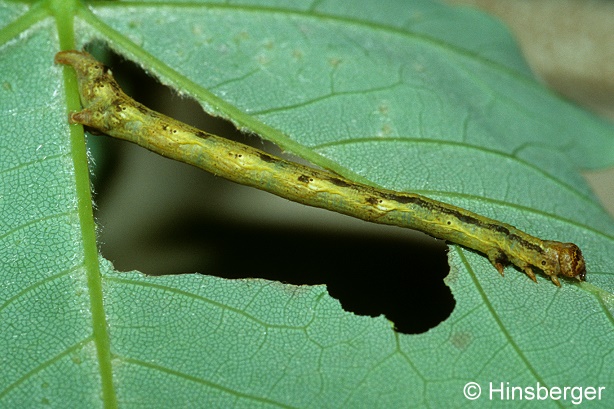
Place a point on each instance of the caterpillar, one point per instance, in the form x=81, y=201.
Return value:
x=107, y=109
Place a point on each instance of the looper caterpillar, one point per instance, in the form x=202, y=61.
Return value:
x=107, y=109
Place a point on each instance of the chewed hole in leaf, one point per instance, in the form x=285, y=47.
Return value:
x=159, y=217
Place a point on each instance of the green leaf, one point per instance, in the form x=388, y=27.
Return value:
x=415, y=97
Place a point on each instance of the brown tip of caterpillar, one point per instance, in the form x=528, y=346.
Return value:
x=71, y=57
x=555, y=280
x=529, y=272
x=498, y=259
x=570, y=260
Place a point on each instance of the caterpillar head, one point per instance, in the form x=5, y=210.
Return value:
x=570, y=260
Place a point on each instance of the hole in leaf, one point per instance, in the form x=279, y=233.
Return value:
x=159, y=216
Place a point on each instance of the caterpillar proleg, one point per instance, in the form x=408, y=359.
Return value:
x=107, y=109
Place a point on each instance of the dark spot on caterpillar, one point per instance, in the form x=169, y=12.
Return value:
x=339, y=182
x=525, y=243
x=202, y=134
x=143, y=109
x=498, y=228
x=267, y=158
x=410, y=199
x=467, y=219
x=305, y=179
x=373, y=201
x=405, y=199
x=102, y=82
x=543, y=262
x=117, y=102
x=501, y=258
